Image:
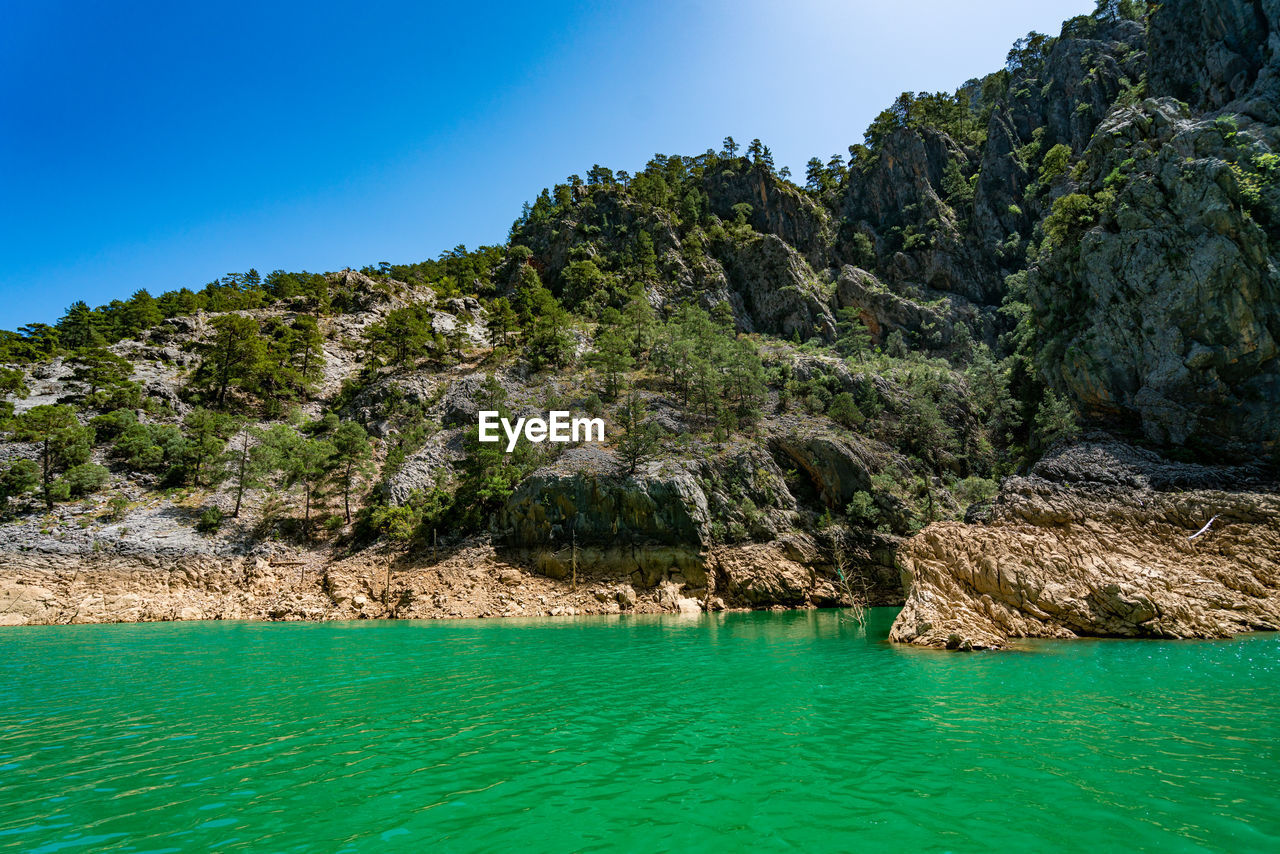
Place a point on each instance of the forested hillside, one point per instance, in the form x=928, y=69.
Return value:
x=822, y=364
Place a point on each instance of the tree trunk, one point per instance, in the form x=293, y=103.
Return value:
x=346, y=492
x=48, y=499
x=225, y=373
x=244, y=459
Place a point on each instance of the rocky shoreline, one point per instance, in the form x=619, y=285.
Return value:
x=1100, y=540
x=471, y=582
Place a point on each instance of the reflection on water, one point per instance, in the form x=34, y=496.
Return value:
x=787, y=731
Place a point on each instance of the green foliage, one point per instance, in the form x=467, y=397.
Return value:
x=989, y=391
x=1120, y=10
x=544, y=323
x=307, y=463
x=1255, y=177
x=85, y=478
x=351, y=454
x=896, y=345
x=13, y=382
x=83, y=327
x=80, y=328
x=17, y=479
x=862, y=251
x=1055, y=421
x=1071, y=215
x=1055, y=163
x=712, y=372
x=96, y=369
x=1028, y=53
x=844, y=410
x=937, y=111
x=956, y=187
x=232, y=357
x=117, y=506
x=862, y=510
x=152, y=448
x=640, y=322
x=404, y=337
x=640, y=438
x=502, y=322
x=612, y=359
x=210, y=521
x=63, y=442
x=249, y=462
x=488, y=475
x=923, y=431
x=206, y=437
x=397, y=523
x=292, y=363
x=583, y=281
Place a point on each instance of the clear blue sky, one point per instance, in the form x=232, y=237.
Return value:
x=159, y=145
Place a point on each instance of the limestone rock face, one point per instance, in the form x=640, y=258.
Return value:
x=1212, y=52
x=924, y=321
x=1100, y=540
x=835, y=466
x=779, y=291
x=763, y=575
x=550, y=506
x=1166, y=313
x=776, y=209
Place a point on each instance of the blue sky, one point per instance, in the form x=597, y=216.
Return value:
x=162, y=145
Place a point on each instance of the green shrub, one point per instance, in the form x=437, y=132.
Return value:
x=1055, y=163
x=974, y=490
x=862, y=510
x=1071, y=214
x=210, y=521
x=59, y=490
x=394, y=523
x=117, y=507
x=844, y=410
x=85, y=479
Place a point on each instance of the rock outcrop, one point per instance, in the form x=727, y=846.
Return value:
x=1100, y=540
x=779, y=291
x=1167, y=312
x=1210, y=53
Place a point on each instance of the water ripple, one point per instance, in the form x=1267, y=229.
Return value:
x=781, y=732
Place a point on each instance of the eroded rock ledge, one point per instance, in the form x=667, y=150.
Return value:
x=474, y=581
x=1100, y=540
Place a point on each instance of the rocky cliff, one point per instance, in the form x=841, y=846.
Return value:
x=807, y=389
x=1101, y=540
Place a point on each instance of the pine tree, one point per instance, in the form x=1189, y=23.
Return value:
x=63, y=441
x=233, y=356
x=97, y=368
x=206, y=437
x=80, y=328
x=249, y=462
x=309, y=463
x=639, y=440
x=852, y=337
x=612, y=359
x=141, y=312
x=502, y=322
x=640, y=321
x=351, y=454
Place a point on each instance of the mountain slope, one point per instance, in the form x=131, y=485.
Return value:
x=795, y=380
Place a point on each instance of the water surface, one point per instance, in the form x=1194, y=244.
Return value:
x=775, y=732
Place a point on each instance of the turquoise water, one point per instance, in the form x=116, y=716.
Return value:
x=774, y=732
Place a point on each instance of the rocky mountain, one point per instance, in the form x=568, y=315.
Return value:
x=867, y=389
